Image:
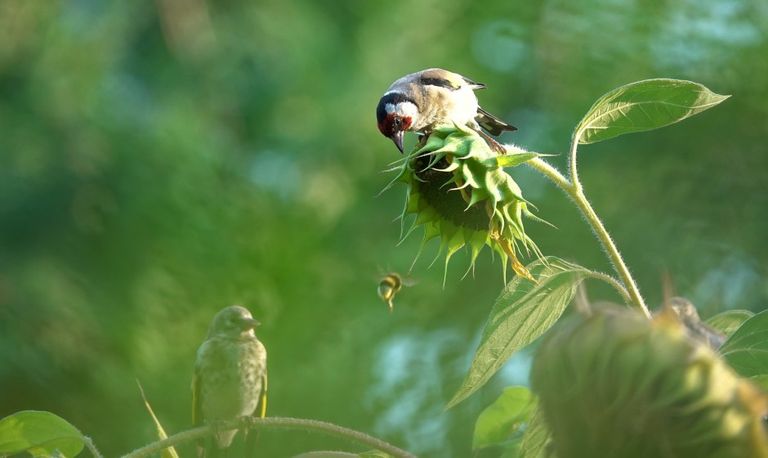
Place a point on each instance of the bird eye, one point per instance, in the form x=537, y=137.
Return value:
x=398, y=122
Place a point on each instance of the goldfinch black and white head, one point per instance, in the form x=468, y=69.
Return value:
x=420, y=101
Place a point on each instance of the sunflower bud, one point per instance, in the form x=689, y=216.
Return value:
x=460, y=193
x=617, y=384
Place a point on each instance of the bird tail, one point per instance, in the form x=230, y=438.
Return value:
x=491, y=123
x=251, y=435
x=210, y=449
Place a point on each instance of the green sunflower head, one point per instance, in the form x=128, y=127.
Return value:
x=617, y=384
x=458, y=191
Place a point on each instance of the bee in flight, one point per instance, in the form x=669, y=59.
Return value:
x=390, y=285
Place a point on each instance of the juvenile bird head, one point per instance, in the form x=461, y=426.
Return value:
x=396, y=114
x=233, y=321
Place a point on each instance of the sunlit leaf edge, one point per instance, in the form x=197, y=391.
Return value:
x=729, y=321
x=503, y=417
x=750, y=341
x=582, y=130
x=546, y=271
x=67, y=438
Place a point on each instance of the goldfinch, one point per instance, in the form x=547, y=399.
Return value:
x=422, y=100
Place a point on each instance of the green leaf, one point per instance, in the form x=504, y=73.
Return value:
x=760, y=380
x=168, y=452
x=729, y=321
x=644, y=105
x=373, y=454
x=338, y=454
x=512, y=447
x=747, y=349
x=40, y=434
x=523, y=312
x=536, y=437
x=500, y=420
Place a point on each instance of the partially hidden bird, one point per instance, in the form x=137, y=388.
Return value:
x=420, y=101
x=230, y=378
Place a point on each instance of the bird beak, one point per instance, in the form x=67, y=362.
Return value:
x=397, y=137
x=250, y=323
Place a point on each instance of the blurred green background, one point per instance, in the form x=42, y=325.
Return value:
x=160, y=160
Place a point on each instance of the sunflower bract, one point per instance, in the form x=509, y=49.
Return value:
x=459, y=193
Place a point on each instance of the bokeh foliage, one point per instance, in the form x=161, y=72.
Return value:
x=162, y=159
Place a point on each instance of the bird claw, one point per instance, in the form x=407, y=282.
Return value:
x=495, y=145
x=423, y=137
x=246, y=421
x=219, y=425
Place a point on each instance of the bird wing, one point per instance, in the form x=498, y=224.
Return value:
x=197, y=417
x=262, y=408
x=441, y=78
x=440, y=82
x=491, y=123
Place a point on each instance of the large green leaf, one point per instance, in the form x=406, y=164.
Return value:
x=729, y=321
x=644, y=105
x=523, y=312
x=39, y=433
x=747, y=349
x=536, y=437
x=512, y=448
x=504, y=417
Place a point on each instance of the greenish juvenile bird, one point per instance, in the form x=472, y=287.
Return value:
x=230, y=380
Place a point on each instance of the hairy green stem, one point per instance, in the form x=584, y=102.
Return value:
x=610, y=248
x=616, y=284
x=548, y=170
x=573, y=171
x=92, y=447
x=271, y=423
x=575, y=191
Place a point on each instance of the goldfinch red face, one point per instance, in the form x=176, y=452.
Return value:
x=396, y=114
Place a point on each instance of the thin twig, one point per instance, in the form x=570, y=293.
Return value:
x=271, y=423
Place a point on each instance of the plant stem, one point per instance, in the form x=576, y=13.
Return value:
x=572, y=169
x=270, y=423
x=575, y=191
x=617, y=285
x=548, y=170
x=610, y=248
x=92, y=447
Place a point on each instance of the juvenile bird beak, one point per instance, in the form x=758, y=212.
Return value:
x=397, y=137
x=250, y=323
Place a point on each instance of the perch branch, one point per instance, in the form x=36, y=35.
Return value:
x=271, y=423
